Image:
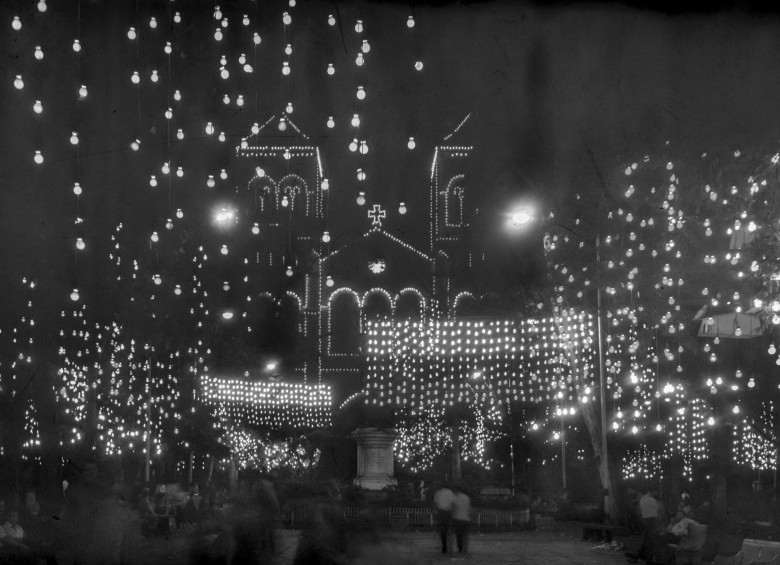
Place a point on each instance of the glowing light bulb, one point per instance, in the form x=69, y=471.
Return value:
x=177, y=290
x=224, y=250
x=331, y=123
x=329, y=281
x=76, y=45
x=289, y=108
x=153, y=181
x=285, y=201
x=363, y=147
x=155, y=238
x=168, y=48
x=226, y=100
x=361, y=93
x=218, y=34
x=331, y=21
x=38, y=158
x=359, y=26
x=221, y=136
x=169, y=224
x=209, y=129
x=326, y=236
x=37, y=107
x=153, y=22
x=285, y=68
x=179, y=213
x=223, y=174
x=16, y=23
x=211, y=182
x=180, y=134
x=289, y=271
x=166, y=168
x=245, y=21
x=74, y=296
x=361, y=175
x=418, y=65
x=38, y=52
x=402, y=208
x=224, y=73
x=355, y=120
x=82, y=92
x=135, y=78
x=227, y=315
x=77, y=189
x=74, y=138
x=286, y=18
x=360, y=60
x=411, y=144
x=157, y=279
x=361, y=199
x=365, y=47
x=353, y=145
x=177, y=95
x=179, y=172
x=256, y=229
x=80, y=245
x=331, y=69
x=410, y=22
x=256, y=38
x=18, y=82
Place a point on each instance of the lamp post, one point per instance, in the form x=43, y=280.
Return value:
x=522, y=218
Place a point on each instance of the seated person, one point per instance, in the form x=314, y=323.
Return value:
x=692, y=538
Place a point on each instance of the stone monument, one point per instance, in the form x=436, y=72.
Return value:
x=374, y=458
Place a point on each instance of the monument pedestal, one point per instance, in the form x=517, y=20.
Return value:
x=374, y=458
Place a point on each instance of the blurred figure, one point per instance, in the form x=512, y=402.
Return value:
x=461, y=508
x=211, y=542
x=268, y=509
x=324, y=541
x=245, y=522
x=692, y=536
x=443, y=500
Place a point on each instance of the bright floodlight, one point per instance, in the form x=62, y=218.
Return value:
x=227, y=314
x=521, y=217
x=224, y=215
x=271, y=366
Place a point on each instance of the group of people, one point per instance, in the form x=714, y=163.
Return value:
x=453, y=507
x=16, y=545
x=677, y=539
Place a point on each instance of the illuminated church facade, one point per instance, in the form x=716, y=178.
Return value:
x=323, y=284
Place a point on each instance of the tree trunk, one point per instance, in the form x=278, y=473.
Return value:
x=611, y=498
x=456, y=474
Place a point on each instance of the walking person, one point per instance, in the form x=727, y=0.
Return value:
x=443, y=500
x=649, y=513
x=461, y=508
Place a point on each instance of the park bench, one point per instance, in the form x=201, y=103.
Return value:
x=598, y=531
x=753, y=552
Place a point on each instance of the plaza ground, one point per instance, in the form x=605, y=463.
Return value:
x=550, y=543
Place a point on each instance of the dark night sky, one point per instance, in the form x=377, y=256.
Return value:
x=558, y=95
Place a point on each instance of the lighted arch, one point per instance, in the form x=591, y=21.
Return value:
x=294, y=187
x=336, y=349
x=377, y=292
x=299, y=305
x=415, y=292
x=453, y=202
x=267, y=191
x=459, y=298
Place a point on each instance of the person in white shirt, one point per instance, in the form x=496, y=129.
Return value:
x=648, y=513
x=461, y=509
x=443, y=500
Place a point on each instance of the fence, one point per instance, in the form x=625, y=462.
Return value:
x=299, y=515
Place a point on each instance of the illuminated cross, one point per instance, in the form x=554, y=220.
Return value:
x=376, y=214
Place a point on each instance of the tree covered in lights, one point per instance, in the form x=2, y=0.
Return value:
x=686, y=278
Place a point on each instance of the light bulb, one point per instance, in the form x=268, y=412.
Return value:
x=411, y=144
x=360, y=60
x=157, y=279
x=259, y=172
x=38, y=52
x=76, y=45
x=256, y=229
x=18, y=82
x=168, y=114
x=177, y=290
x=180, y=134
x=223, y=174
x=74, y=296
x=169, y=224
x=286, y=18
x=285, y=201
x=359, y=26
x=83, y=92
x=166, y=168
x=224, y=73
x=325, y=185
x=168, y=48
x=135, y=78
x=353, y=145
x=221, y=136
x=288, y=49
x=218, y=34
x=402, y=208
x=361, y=199
x=155, y=238
x=256, y=39
x=77, y=189
x=209, y=129
x=245, y=21
x=355, y=120
x=331, y=123
x=331, y=69
x=211, y=182
x=224, y=250
x=16, y=24
x=38, y=158
x=285, y=68
x=217, y=13
x=363, y=147
x=80, y=245
x=153, y=22
x=329, y=281
x=37, y=107
x=326, y=236
x=361, y=93
x=226, y=99
x=240, y=100
x=179, y=213
x=331, y=20
x=153, y=181
x=361, y=175
x=135, y=145
x=289, y=108
x=255, y=128
x=74, y=138
x=418, y=65
x=179, y=172
x=410, y=22
x=177, y=96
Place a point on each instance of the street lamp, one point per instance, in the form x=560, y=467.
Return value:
x=518, y=220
